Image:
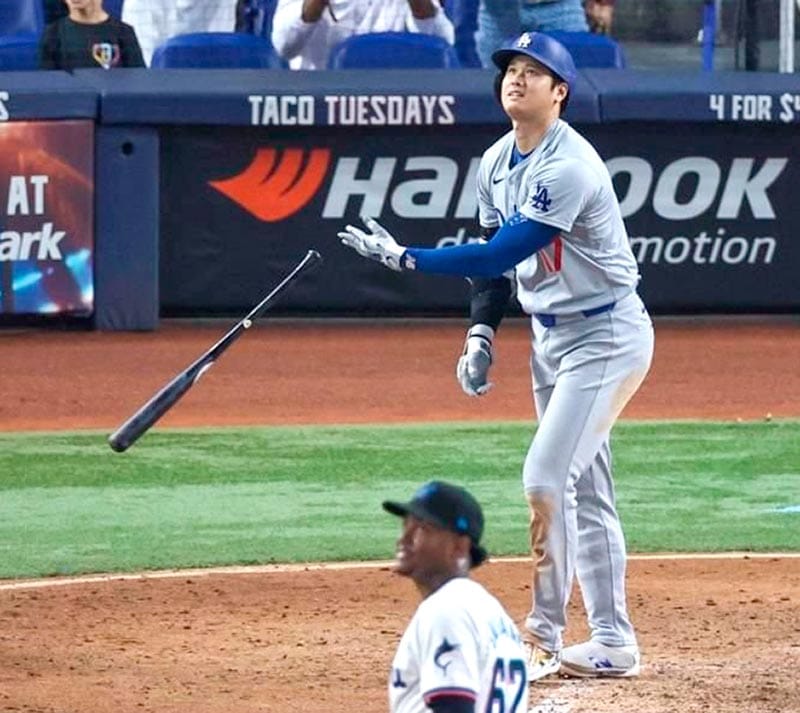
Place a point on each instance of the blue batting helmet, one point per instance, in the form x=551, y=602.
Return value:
x=541, y=47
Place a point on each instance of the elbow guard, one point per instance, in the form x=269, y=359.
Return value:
x=489, y=300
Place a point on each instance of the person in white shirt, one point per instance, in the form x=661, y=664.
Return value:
x=461, y=651
x=155, y=21
x=305, y=31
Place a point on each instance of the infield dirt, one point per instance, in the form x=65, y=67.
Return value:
x=719, y=634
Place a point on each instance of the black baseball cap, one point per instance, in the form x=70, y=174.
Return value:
x=449, y=507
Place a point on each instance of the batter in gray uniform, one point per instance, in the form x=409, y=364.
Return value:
x=552, y=221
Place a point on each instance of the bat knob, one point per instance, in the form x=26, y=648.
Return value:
x=116, y=444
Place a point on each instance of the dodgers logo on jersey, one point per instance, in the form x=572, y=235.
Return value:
x=541, y=200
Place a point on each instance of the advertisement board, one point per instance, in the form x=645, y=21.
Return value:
x=708, y=213
x=47, y=231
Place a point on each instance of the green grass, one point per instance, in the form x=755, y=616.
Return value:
x=180, y=498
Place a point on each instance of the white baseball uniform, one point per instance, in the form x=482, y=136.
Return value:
x=592, y=346
x=460, y=642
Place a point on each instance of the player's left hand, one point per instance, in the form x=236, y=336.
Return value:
x=472, y=370
x=377, y=245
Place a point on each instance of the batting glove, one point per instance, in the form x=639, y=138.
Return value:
x=472, y=369
x=377, y=245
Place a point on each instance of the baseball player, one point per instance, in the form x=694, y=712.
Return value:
x=550, y=215
x=461, y=652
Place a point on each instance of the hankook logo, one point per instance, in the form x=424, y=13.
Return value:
x=276, y=185
x=280, y=183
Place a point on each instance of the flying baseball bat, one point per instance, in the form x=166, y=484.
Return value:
x=168, y=396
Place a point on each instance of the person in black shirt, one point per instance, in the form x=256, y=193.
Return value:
x=88, y=37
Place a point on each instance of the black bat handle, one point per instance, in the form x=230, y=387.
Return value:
x=155, y=408
x=159, y=404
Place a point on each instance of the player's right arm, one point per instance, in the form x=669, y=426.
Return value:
x=452, y=704
x=489, y=297
x=448, y=655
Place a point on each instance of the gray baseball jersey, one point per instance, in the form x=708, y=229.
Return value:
x=563, y=183
x=460, y=642
x=593, y=342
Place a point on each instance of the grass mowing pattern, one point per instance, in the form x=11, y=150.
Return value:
x=252, y=495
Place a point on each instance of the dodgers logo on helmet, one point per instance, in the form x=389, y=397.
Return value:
x=544, y=49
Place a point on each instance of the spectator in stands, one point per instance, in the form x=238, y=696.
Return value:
x=305, y=31
x=88, y=37
x=500, y=19
x=156, y=21
x=747, y=28
x=244, y=21
x=599, y=15
x=254, y=17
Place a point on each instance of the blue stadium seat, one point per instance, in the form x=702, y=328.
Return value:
x=217, y=50
x=393, y=50
x=19, y=52
x=591, y=50
x=21, y=17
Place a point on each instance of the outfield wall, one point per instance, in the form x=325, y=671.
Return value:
x=209, y=184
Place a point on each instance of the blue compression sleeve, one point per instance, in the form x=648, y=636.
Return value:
x=519, y=238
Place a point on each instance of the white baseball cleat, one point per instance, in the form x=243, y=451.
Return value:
x=541, y=663
x=591, y=659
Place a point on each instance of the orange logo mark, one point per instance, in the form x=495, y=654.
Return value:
x=275, y=187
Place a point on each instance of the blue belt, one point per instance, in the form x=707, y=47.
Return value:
x=550, y=320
